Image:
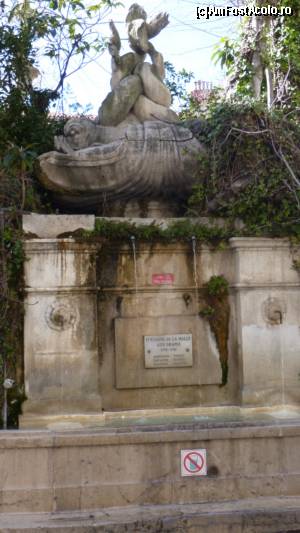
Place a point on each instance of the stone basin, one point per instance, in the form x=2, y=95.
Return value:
x=150, y=160
x=199, y=417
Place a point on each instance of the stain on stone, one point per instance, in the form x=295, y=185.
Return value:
x=63, y=247
x=213, y=471
x=119, y=301
x=107, y=266
x=187, y=298
x=29, y=235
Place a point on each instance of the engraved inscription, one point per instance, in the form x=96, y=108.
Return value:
x=168, y=350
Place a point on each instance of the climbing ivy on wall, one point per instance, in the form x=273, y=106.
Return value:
x=263, y=61
x=180, y=230
x=253, y=172
x=217, y=312
x=11, y=313
x=62, y=29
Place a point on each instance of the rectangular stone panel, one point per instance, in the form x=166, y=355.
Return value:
x=136, y=369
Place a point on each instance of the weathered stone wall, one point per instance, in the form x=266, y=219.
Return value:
x=59, y=471
x=61, y=348
x=89, y=308
x=130, y=309
x=268, y=320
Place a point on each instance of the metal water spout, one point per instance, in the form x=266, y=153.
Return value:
x=194, y=245
x=132, y=239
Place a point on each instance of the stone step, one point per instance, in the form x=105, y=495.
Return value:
x=259, y=515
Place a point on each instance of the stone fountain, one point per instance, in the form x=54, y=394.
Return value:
x=136, y=150
x=124, y=360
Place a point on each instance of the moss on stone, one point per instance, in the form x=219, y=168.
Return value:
x=217, y=313
x=181, y=230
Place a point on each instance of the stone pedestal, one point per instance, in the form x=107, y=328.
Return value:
x=61, y=351
x=267, y=313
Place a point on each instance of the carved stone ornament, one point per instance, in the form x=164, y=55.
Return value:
x=61, y=316
x=274, y=311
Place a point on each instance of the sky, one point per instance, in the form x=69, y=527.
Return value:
x=186, y=42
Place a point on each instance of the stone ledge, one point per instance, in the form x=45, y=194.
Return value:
x=147, y=434
x=58, y=246
x=267, y=285
x=259, y=515
x=51, y=226
x=259, y=243
x=61, y=290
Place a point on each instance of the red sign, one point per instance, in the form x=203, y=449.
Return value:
x=193, y=463
x=162, y=279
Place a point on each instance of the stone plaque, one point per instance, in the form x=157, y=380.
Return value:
x=168, y=350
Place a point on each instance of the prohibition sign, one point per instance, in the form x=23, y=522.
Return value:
x=193, y=463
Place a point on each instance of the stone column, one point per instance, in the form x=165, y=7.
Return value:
x=61, y=351
x=267, y=310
